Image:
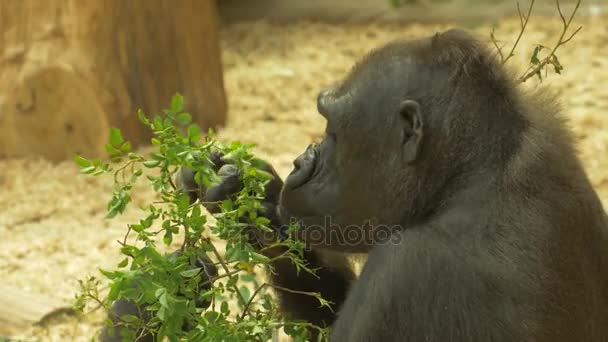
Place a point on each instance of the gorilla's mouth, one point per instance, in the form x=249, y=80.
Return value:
x=303, y=168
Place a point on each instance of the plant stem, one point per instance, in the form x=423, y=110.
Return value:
x=566, y=25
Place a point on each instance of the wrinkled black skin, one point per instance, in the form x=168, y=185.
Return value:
x=499, y=235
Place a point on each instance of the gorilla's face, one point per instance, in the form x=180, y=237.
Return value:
x=356, y=175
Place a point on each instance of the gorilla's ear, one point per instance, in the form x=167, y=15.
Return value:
x=412, y=129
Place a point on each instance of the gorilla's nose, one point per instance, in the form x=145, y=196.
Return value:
x=324, y=101
x=305, y=158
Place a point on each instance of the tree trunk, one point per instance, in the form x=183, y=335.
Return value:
x=70, y=69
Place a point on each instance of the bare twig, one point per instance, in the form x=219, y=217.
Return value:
x=227, y=270
x=124, y=240
x=495, y=42
x=523, y=21
x=535, y=69
x=255, y=293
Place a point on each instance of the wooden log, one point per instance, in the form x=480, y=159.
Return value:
x=20, y=310
x=70, y=69
x=52, y=113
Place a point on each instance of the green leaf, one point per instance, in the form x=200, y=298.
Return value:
x=123, y=263
x=557, y=66
x=151, y=163
x=224, y=309
x=108, y=322
x=262, y=221
x=125, y=147
x=116, y=137
x=235, y=254
x=82, y=162
x=534, y=59
x=259, y=258
x=183, y=118
x=177, y=103
x=212, y=316
x=88, y=169
x=142, y=117
x=194, y=132
x=111, y=150
x=129, y=318
x=232, y=281
x=245, y=293
x=190, y=273
x=162, y=313
x=168, y=238
x=248, y=278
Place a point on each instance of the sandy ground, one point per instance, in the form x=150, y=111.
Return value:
x=52, y=219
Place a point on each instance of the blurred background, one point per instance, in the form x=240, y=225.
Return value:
x=70, y=70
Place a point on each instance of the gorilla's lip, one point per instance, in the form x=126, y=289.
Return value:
x=304, y=168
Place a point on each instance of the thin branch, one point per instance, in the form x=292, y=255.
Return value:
x=498, y=48
x=310, y=294
x=524, y=24
x=255, y=293
x=225, y=267
x=534, y=70
x=561, y=15
x=225, y=275
x=572, y=35
x=521, y=22
x=172, y=184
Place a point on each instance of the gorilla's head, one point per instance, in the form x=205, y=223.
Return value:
x=401, y=129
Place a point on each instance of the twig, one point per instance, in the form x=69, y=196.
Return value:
x=535, y=70
x=213, y=279
x=523, y=21
x=498, y=48
x=225, y=267
x=255, y=293
x=124, y=240
x=311, y=294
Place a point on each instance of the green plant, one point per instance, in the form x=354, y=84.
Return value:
x=538, y=64
x=167, y=285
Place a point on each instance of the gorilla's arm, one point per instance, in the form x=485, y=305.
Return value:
x=331, y=281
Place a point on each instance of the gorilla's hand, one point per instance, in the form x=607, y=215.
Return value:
x=228, y=185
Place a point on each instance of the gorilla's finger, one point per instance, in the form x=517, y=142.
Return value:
x=185, y=181
x=273, y=188
x=228, y=185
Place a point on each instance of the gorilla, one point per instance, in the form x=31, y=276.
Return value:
x=477, y=218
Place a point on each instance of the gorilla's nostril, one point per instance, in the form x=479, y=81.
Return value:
x=297, y=164
x=303, y=168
